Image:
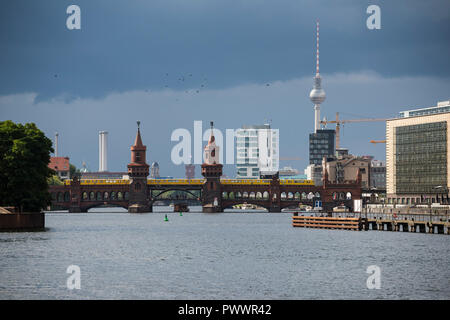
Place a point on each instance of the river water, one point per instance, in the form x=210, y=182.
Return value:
x=231, y=255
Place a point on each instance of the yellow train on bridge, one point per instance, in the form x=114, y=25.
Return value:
x=193, y=182
x=99, y=181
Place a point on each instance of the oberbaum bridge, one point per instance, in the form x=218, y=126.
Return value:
x=138, y=193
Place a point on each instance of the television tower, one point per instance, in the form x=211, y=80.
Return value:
x=317, y=94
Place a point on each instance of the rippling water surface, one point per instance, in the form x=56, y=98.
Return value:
x=232, y=255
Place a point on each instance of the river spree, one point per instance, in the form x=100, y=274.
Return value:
x=231, y=255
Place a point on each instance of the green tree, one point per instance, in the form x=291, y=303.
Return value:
x=25, y=155
x=74, y=171
x=54, y=180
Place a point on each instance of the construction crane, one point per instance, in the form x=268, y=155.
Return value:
x=290, y=158
x=338, y=123
x=377, y=141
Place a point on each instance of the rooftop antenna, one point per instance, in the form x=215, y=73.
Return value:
x=317, y=52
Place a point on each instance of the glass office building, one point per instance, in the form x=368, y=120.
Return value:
x=421, y=157
x=442, y=107
x=417, y=159
x=321, y=143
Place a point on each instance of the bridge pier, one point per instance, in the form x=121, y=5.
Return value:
x=73, y=209
x=139, y=208
x=274, y=209
x=208, y=208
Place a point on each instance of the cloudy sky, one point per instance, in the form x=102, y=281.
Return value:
x=171, y=62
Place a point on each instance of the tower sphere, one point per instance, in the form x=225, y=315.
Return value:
x=317, y=94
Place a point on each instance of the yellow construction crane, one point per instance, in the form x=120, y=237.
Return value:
x=377, y=141
x=338, y=123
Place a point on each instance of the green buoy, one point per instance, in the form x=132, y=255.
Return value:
x=165, y=218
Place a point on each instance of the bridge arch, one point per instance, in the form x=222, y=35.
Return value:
x=256, y=203
x=182, y=190
x=110, y=205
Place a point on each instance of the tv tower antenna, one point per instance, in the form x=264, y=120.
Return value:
x=317, y=94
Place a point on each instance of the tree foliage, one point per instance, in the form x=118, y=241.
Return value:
x=54, y=180
x=25, y=155
x=74, y=171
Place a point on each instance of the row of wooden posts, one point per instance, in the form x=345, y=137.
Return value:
x=360, y=223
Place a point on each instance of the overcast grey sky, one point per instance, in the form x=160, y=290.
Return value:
x=127, y=60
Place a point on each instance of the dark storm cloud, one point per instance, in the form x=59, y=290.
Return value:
x=133, y=44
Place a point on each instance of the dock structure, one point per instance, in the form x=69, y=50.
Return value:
x=407, y=225
x=327, y=222
x=417, y=223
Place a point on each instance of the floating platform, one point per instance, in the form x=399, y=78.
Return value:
x=14, y=222
x=327, y=222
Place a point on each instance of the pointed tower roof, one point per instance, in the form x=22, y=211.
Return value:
x=138, y=141
x=212, y=139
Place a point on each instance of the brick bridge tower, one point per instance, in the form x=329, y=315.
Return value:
x=138, y=173
x=212, y=171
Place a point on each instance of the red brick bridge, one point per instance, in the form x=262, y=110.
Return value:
x=138, y=193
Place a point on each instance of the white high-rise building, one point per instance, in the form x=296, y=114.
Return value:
x=102, y=151
x=257, y=150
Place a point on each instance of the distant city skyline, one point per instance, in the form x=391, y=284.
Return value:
x=169, y=63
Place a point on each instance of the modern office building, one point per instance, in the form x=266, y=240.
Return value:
x=417, y=157
x=257, y=149
x=442, y=107
x=321, y=144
